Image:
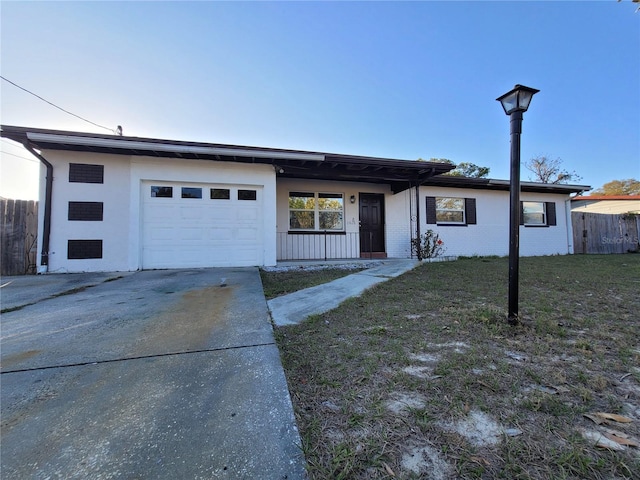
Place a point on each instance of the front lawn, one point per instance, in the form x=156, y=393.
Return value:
x=422, y=377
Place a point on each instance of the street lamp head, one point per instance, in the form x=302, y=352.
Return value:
x=517, y=99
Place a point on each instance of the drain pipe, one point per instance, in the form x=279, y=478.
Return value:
x=46, y=226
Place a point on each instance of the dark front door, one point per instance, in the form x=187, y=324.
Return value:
x=372, y=225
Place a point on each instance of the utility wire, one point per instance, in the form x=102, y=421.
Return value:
x=19, y=156
x=54, y=105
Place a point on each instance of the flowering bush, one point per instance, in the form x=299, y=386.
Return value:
x=429, y=245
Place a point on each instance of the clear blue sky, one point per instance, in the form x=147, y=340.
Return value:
x=398, y=80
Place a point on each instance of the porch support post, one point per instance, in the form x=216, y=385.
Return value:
x=418, y=219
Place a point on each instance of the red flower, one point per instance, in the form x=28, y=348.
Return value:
x=440, y=242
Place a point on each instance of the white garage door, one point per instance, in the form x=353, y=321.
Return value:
x=196, y=225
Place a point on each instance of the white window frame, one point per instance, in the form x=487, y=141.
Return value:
x=537, y=212
x=462, y=210
x=316, y=211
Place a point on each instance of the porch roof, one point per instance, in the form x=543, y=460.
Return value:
x=398, y=174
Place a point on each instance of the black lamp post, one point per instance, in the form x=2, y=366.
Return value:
x=515, y=103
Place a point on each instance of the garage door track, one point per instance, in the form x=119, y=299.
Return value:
x=154, y=374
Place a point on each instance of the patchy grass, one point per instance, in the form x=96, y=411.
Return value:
x=422, y=377
x=284, y=282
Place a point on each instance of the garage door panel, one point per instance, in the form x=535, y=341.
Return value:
x=247, y=214
x=201, y=232
x=246, y=234
x=192, y=212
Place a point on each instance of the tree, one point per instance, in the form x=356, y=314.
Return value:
x=463, y=169
x=466, y=169
x=546, y=170
x=630, y=186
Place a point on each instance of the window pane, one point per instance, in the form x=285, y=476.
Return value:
x=330, y=201
x=164, y=192
x=533, y=213
x=247, y=195
x=449, y=210
x=301, y=201
x=220, y=194
x=190, y=192
x=301, y=220
x=445, y=203
x=449, y=217
x=331, y=221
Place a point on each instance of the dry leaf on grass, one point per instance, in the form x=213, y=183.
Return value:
x=602, y=417
x=601, y=441
x=595, y=419
x=614, y=417
x=388, y=470
x=621, y=440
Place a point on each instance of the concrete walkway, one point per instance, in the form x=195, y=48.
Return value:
x=296, y=307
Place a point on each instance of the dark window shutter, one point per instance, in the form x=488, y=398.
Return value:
x=551, y=214
x=431, y=210
x=86, y=211
x=81, y=249
x=521, y=213
x=86, y=173
x=470, y=210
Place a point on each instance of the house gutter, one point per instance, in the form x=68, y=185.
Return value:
x=46, y=226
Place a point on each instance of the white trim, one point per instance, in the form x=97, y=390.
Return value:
x=168, y=147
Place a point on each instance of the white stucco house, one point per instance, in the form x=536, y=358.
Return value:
x=115, y=203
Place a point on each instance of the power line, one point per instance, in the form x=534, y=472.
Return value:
x=54, y=105
x=19, y=156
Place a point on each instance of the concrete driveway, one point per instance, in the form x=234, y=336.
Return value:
x=154, y=374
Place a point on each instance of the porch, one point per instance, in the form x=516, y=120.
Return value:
x=326, y=245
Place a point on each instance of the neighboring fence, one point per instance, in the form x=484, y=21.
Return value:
x=18, y=234
x=318, y=246
x=599, y=233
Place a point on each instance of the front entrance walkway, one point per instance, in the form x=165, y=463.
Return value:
x=297, y=306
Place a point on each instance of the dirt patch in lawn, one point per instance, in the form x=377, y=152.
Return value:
x=422, y=377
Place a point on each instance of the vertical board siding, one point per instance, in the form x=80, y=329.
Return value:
x=602, y=233
x=19, y=232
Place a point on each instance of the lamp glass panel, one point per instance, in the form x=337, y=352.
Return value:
x=524, y=99
x=510, y=102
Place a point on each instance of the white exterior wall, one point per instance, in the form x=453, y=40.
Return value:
x=120, y=193
x=490, y=236
x=113, y=230
x=398, y=223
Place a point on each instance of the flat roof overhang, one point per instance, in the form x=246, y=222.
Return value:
x=398, y=174
x=504, y=185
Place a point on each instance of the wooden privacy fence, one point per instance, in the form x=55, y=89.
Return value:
x=18, y=234
x=600, y=233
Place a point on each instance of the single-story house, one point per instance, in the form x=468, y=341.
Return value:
x=606, y=204
x=116, y=203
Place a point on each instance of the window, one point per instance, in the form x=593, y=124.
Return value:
x=191, y=192
x=81, y=249
x=537, y=214
x=220, y=194
x=330, y=211
x=451, y=211
x=247, y=195
x=162, y=192
x=86, y=173
x=316, y=211
x=85, y=211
